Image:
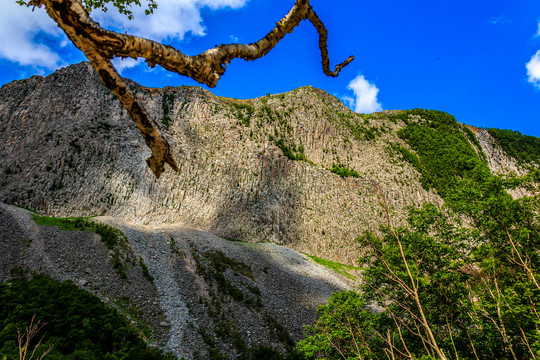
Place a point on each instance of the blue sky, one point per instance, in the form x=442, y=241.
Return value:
x=478, y=60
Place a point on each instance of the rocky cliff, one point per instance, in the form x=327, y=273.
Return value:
x=297, y=169
x=253, y=170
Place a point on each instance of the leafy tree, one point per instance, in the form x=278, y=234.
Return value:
x=440, y=289
x=71, y=323
x=100, y=46
x=345, y=329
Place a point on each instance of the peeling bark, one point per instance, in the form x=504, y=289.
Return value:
x=100, y=46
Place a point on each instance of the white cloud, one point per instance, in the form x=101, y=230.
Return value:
x=173, y=19
x=123, y=64
x=365, y=96
x=533, y=69
x=22, y=31
x=19, y=27
x=347, y=100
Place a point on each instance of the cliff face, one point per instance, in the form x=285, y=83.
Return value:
x=497, y=160
x=254, y=170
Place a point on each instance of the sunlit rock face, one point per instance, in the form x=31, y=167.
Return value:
x=254, y=170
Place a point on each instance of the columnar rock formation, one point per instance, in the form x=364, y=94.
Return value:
x=254, y=170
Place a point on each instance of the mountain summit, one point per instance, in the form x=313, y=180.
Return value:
x=298, y=168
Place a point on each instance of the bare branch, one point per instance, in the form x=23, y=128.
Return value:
x=323, y=35
x=414, y=284
x=25, y=338
x=100, y=46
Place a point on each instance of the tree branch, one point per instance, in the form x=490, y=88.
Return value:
x=100, y=46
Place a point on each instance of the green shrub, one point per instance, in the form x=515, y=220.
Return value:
x=525, y=149
x=343, y=171
x=291, y=153
x=145, y=270
x=166, y=121
x=167, y=98
x=77, y=323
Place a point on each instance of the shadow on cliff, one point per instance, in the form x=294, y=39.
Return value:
x=79, y=154
x=265, y=210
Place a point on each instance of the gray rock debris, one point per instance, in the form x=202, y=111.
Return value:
x=291, y=286
x=153, y=247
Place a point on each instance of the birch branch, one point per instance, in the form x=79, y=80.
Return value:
x=100, y=46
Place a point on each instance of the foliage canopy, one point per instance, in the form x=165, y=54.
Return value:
x=458, y=282
x=523, y=148
x=77, y=323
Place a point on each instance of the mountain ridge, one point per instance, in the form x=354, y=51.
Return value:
x=297, y=169
x=254, y=170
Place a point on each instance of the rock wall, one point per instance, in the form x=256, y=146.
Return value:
x=497, y=160
x=71, y=150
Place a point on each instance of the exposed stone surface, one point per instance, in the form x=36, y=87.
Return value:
x=498, y=161
x=79, y=257
x=70, y=150
x=253, y=170
x=181, y=302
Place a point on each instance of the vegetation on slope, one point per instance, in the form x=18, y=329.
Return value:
x=76, y=323
x=243, y=116
x=213, y=265
x=359, y=130
x=112, y=238
x=437, y=289
x=337, y=267
x=344, y=171
x=524, y=148
x=443, y=155
x=444, y=291
x=291, y=151
x=434, y=289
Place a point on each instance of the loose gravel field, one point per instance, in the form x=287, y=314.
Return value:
x=195, y=274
